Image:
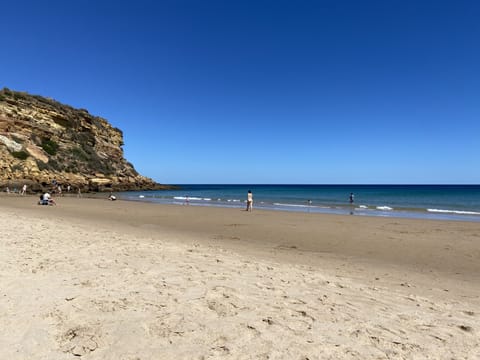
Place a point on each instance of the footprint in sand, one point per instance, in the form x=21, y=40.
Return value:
x=222, y=303
x=79, y=341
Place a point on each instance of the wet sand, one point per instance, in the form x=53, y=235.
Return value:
x=129, y=280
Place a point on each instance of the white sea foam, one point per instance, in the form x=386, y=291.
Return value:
x=293, y=205
x=384, y=208
x=189, y=198
x=460, y=212
x=363, y=207
x=141, y=196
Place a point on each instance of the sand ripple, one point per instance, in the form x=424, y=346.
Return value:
x=70, y=291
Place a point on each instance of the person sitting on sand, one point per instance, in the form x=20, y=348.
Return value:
x=48, y=199
x=42, y=201
x=112, y=197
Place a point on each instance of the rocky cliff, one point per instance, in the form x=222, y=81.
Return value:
x=43, y=141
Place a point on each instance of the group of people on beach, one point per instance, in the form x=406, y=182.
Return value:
x=23, y=191
x=55, y=188
x=46, y=199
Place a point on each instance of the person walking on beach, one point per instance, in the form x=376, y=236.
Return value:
x=249, y=201
x=24, y=189
x=351, y=198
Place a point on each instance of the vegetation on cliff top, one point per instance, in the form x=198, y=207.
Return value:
x=59, y=139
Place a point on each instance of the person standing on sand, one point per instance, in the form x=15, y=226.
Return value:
x=24, y=189
x=249, y=201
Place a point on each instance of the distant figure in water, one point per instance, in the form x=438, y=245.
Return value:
x=249, y=201
x=187, y=200
x=351, y=198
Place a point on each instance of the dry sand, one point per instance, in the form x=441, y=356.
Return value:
x=97, y=279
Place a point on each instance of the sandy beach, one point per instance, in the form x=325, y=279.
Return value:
x=97, y=279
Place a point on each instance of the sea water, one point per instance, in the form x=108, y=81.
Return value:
x=447, y=202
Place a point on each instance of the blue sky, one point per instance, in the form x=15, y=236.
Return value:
x=264, y=91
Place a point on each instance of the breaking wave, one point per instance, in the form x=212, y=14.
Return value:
x=459, y=212
x=384, y=208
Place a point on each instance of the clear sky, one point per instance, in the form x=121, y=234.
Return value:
x=240, y=91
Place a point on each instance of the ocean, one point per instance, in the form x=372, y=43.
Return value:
x=441, y=202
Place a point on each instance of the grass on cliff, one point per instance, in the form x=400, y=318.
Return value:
x=79, y=154
x=50, y=146
x=21, y=155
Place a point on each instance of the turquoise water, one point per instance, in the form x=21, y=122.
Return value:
x=442, y=202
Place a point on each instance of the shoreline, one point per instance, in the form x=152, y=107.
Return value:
x=124, y=280
x=389, y=208
x=431, y=212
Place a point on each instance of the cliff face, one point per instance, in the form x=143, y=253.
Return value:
x=42, y=140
